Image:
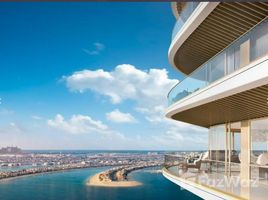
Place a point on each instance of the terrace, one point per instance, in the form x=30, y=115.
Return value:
x=234, y=167
x=249, y=48
x=216, y=178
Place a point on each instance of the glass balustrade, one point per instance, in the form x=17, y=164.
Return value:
x=187, y=10
x=248, y=48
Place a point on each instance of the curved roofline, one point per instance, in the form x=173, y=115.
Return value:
x=199, y=15
x=234, y=83
x=174, y=9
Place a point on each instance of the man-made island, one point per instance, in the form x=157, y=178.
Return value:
x=117, y=177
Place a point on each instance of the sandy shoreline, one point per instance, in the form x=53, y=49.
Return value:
x=117, y=177
x=95, y=181
x=45, y=172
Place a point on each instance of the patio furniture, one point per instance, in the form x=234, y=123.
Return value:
x=196, y=164
x=262, y=160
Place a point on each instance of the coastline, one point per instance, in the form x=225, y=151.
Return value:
x=117, y=177
x=10, y=178
x=36, y=174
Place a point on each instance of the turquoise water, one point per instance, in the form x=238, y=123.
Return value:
x=70, y=185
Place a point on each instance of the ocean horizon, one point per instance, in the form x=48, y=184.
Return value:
x=102, y=151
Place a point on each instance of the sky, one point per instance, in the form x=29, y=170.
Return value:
x=89, y=76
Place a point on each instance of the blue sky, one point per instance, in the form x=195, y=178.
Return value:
x=88, y=76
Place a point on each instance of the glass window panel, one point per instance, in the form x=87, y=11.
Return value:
x=259, y=136
x=217, y=67
x=259, y=42
x=230, y=61
x=217, y=140
x=259, y=149
x=187, y=10
x=224, y=63
x=237, y=58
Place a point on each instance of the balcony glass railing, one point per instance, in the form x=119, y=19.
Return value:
x=248, y=48
x=188, y=8
x=218, y=175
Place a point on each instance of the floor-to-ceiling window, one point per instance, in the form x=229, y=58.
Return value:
x=259, y=149
x=224, y=148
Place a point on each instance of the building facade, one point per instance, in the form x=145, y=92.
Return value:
x=222, y=48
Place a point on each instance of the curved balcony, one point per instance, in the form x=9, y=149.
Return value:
x=211, y=27
x=188, y=9
x=214, y=180
x=248, y=48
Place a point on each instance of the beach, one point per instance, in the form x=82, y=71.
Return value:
x=95, y=181
x=117, y=177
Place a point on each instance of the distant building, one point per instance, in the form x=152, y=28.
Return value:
x=10, y=150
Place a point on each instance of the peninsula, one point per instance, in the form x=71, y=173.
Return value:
x=117, y=176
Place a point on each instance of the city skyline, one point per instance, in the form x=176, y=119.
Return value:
x=84, y=76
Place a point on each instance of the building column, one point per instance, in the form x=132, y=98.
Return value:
x=245, y=53
x=245, y=158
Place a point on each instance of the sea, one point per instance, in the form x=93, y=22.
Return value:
x=71, y=185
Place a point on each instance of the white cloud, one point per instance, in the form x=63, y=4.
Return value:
x=124, y=82
x=6, y=112
x=148, y=89
x=153, y=114
x=77, y=124
x=120, y=117
x=179, y=135
x=12, y=128
x=98, y=47
x=36, y=117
